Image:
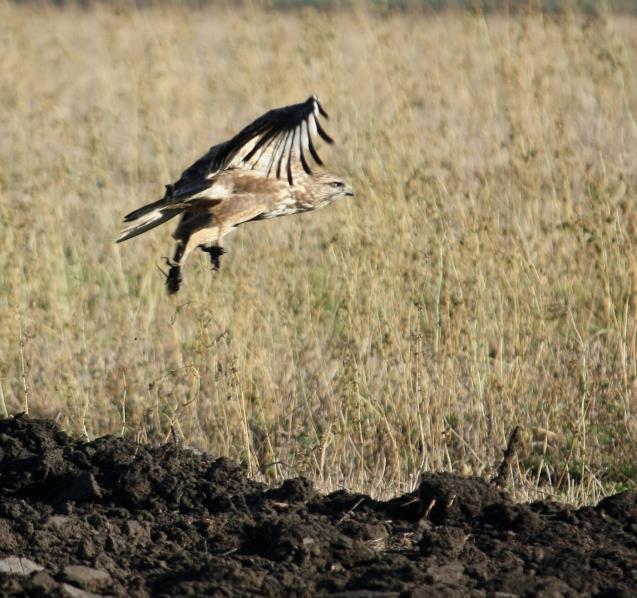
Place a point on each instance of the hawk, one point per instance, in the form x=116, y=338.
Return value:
x=262, y=172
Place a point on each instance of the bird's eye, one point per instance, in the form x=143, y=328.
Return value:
x=337, y=184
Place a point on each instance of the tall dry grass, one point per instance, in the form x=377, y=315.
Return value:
x=484, y=276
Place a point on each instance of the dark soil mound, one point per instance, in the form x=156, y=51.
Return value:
x=114, y=518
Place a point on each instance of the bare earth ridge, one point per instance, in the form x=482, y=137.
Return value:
x=111, y=517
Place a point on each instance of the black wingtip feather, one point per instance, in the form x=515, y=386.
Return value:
x=320, y=108
x=306, y=166
x=313, y=153
x=322, y=132
x=290, y=181
x=278, y=166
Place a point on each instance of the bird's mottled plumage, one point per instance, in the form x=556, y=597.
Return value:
x=262, y=172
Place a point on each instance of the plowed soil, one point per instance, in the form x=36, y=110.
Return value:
x=112, y=517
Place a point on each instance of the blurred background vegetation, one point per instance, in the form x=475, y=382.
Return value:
x=482, y=6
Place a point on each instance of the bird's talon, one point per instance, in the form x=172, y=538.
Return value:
x=215, y=252
x=170, y=263
x=173, y=280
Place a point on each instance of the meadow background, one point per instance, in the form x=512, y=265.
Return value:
x=483, y=277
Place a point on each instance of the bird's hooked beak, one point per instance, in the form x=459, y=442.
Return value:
x=349, y=191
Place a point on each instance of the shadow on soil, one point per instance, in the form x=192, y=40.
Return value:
x=111, y=517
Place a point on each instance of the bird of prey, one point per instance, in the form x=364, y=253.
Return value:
x=262, y=172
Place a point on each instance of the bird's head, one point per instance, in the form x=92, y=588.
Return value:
x=330, y=188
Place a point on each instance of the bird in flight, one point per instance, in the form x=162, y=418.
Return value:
x=262, y=172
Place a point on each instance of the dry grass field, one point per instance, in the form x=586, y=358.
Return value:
x=484, y=277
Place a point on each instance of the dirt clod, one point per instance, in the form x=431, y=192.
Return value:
x=86, y=577
x=114, y=518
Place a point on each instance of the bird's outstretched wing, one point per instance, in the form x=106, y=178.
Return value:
x=275, y=140
x=271, y=144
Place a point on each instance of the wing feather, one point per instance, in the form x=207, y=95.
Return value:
x=299, y=147
x=320, y=109
x=278, y=149
x=293, y=139
x=264, y=149
x=322, y=133
x=277, y=129
x=311, y=122
x=313, y=153
x=283, y=151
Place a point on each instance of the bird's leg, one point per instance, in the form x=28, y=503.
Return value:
x=215, y=251
x=173, y=280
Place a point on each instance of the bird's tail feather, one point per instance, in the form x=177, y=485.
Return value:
x=145, y=218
